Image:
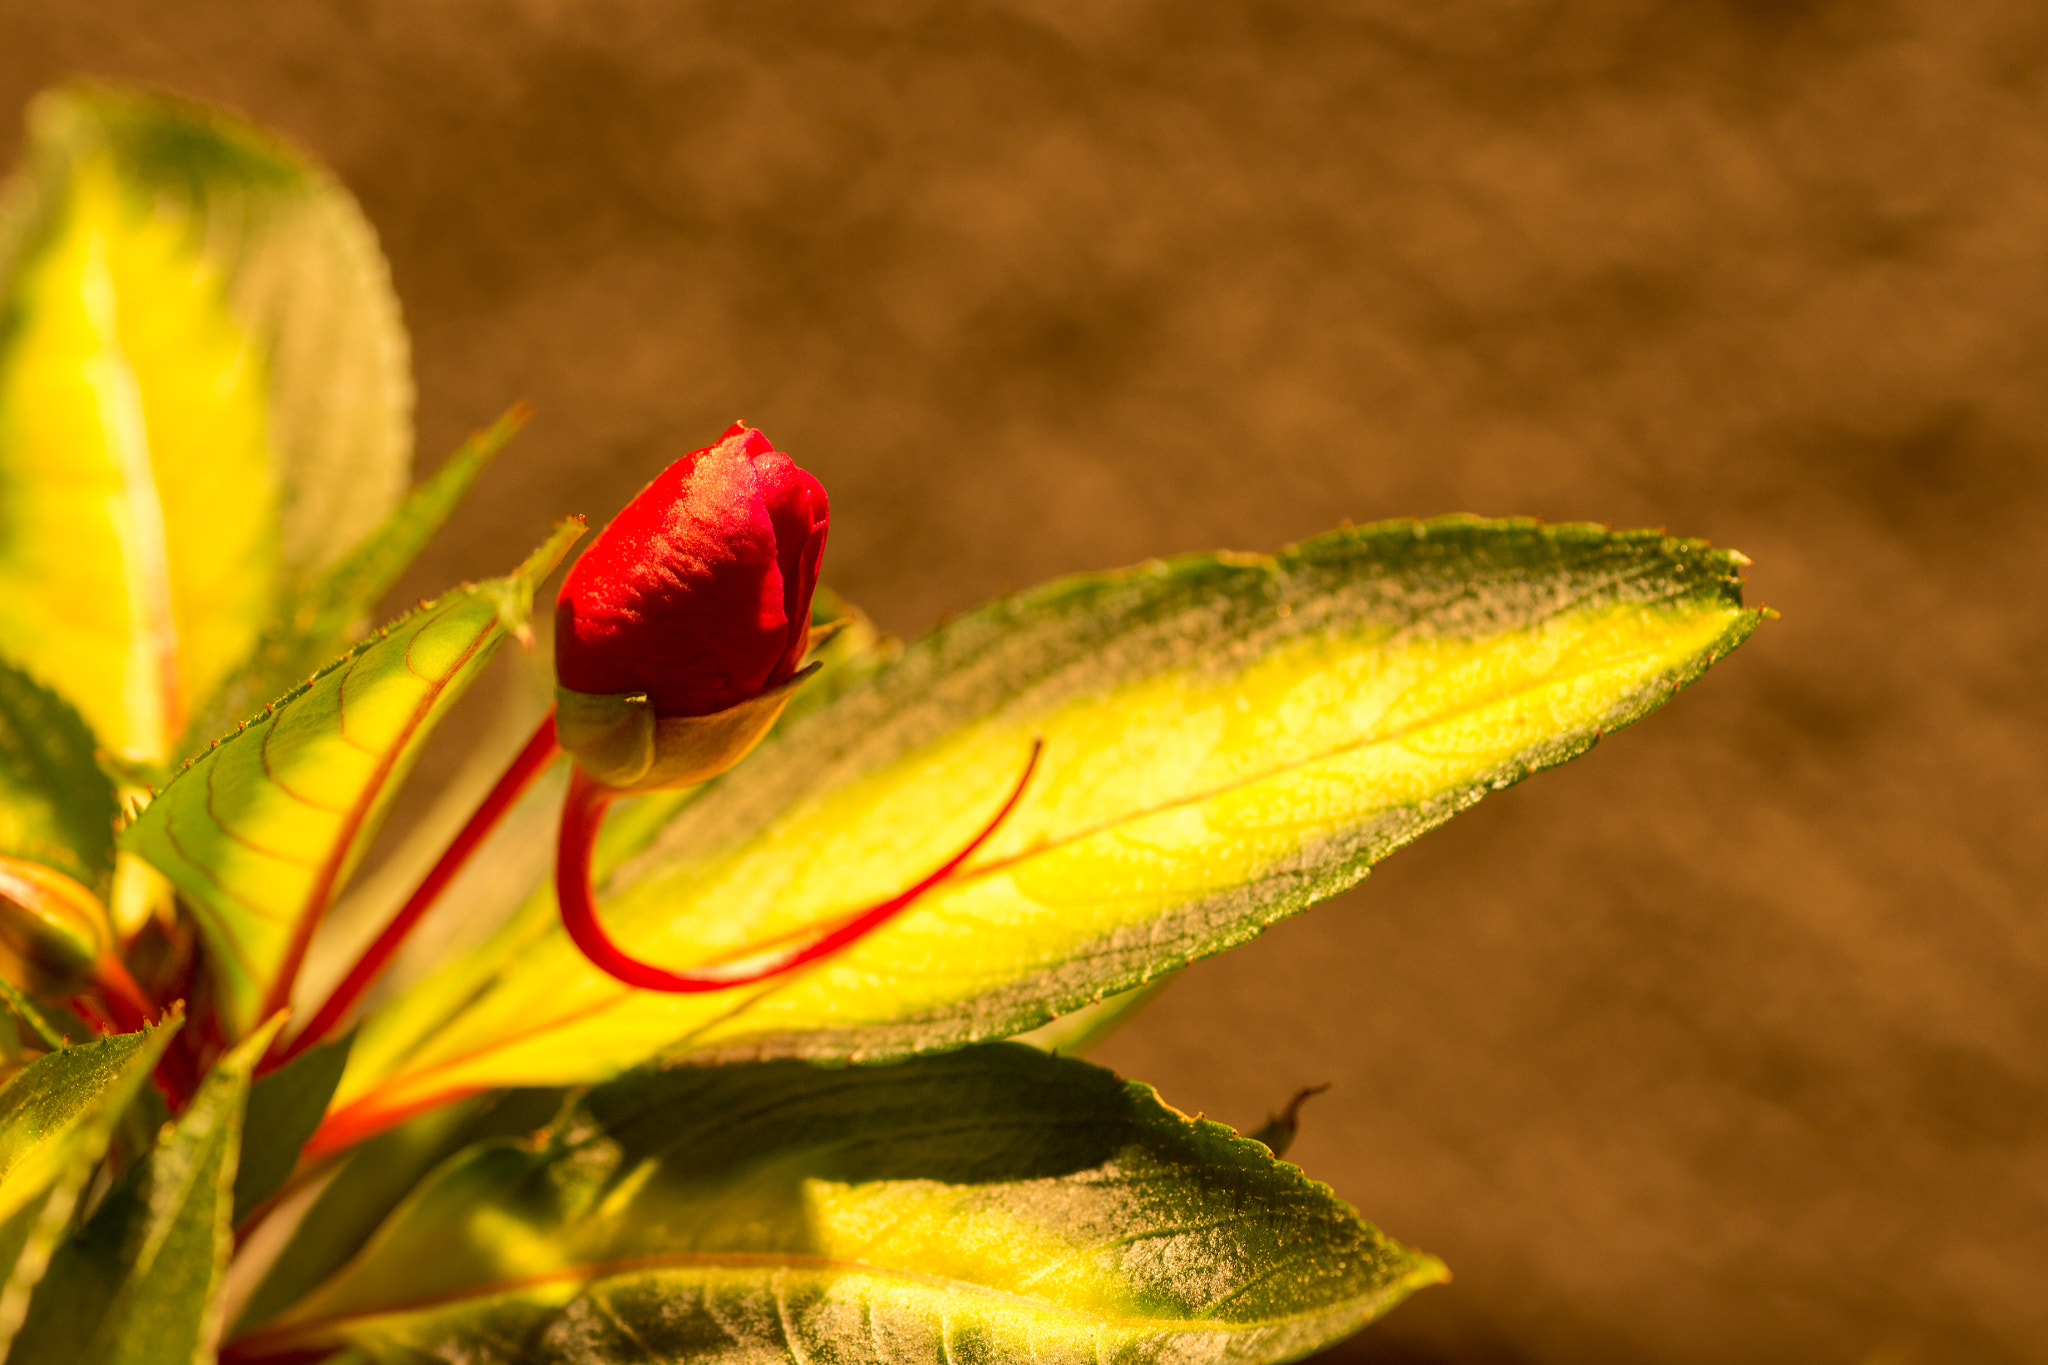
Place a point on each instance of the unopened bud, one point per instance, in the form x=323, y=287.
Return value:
x=679, y=631
x=53, y=929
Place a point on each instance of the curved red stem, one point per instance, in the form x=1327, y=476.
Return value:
x=583, y=815
x=528, y=764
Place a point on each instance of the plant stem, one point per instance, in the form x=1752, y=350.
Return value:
x=94, y=1014
x=525, y=766
x=583, y=815
x=126, y=1005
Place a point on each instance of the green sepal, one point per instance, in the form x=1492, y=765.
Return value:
x=610, y=737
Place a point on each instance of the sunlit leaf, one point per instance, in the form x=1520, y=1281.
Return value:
x=140, y=1283
x=497, y=883
x=1229, y=738
x=56, y=807
x=995, y=1204
x=261, y=831
x=57, y=1116
x=203, y=391
x=313, y=623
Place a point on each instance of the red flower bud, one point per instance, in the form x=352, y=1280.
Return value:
x=699, y=593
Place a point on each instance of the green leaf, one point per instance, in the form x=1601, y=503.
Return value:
x=284, y=1109
x=140, y=1283
x=1229, y=738
x=57, y=1116
x=25, y=1010
x=315, y=624
x=56, y=806
x=994, y=1204
x=203, y=393
x=846, y=659
x=263, y=830
x=1072, y=1035
x=374, y=1178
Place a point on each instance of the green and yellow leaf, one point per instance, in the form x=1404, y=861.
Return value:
x=56, y=806
x=57, y=1116
x=140, y=1283
x=315, y=623
x=1229, y=738
x=203, y=394
x=993, y=1204
x=263, y=830
x=373, y=1179
x=1075, y=1034
x=285, y=1106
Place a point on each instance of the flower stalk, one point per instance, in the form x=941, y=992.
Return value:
x=530, y=762
x=583, y=816
x=679, y=636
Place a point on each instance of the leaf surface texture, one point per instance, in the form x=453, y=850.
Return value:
x=1229, y=738
x=994, y=1204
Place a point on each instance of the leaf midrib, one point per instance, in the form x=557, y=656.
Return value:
x=148, y=552
x=612, y=1001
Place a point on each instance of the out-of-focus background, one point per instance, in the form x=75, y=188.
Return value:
x=1727, y=1043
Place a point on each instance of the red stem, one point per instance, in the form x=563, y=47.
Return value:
x=528, y=764
x=582, y=816
x=177, y=1072
x=126, y=1005
x=93, y=1012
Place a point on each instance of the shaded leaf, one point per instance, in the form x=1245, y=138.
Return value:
x=140, y=1283
x=284, y=1109
x=374, y=1178
x=315, y=623
x=993, y=1204
x=56, y=807
x=57, y=1116
x=1229, y=738
x=203, y=390
x=38, y=1025
x=261, y=831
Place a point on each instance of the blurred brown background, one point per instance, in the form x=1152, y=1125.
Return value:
x=1723, y=1044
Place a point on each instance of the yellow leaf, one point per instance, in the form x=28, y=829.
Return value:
x=138, y=545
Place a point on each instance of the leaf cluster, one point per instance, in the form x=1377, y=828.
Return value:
x=204, y=451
